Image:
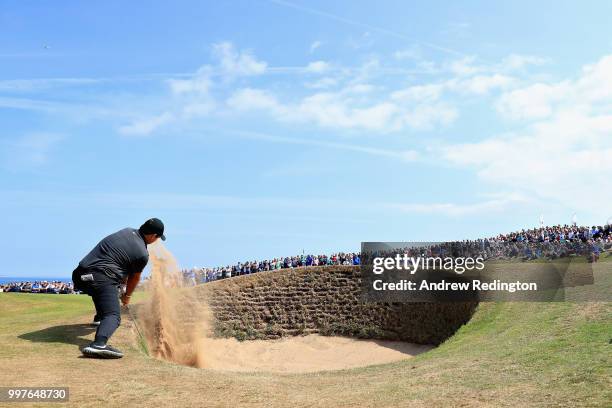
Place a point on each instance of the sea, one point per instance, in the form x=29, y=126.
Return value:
x=8, y=279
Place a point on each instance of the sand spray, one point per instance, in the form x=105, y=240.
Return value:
x=174, y=320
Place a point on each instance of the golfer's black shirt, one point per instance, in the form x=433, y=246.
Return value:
x=118, y=255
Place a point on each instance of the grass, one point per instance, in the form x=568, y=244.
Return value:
x=509, y=354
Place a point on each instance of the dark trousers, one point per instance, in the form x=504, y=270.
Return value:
x=104, y=292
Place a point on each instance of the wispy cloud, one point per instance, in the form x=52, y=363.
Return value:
x=41, y=84
x=412, y=53
x=369, y=27
x=517, y=61
x=354, y=99
x=470, y=65
x=457, y=29
x=199, y=83
x=31, y=104
x=317, y=67
x=235, y=62
x=561, y=146
x=145, y=126
x=341, y=110
x=487, y=206
x=315, y=46
x=253, y=206
x=404, y=155
x=30, y=150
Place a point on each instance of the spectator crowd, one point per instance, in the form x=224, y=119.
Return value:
x=44, y=286
x=552, y=242
x=201, y=275
x=540, y=243
x=545, y=242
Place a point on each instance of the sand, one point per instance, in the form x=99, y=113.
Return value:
x=173, y=320
x=176, y=326
x=303, y=354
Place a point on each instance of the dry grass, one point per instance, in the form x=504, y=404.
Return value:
x=509, y=354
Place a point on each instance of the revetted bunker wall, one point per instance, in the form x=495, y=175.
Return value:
x=324, y=300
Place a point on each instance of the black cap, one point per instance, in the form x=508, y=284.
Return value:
x=153, y=226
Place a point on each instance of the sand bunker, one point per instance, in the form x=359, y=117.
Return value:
x=304, y=354
x=176, y=327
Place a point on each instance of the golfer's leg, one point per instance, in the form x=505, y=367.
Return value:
x=108, y=310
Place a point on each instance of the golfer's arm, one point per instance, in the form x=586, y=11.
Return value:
x=133, y=280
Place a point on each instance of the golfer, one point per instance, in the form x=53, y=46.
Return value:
x=118, y=258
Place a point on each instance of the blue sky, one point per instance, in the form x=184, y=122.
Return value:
x=263, y=128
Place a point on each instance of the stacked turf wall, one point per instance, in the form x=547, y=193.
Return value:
x=323, y=300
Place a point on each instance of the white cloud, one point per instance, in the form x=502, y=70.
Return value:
x=145, y=126
x=565, y=154
x=317, y=67
x=465, y=66
x=368, y=69
x=515, y=62
x=483, y=84
x=419, y=93
x=194, y=95
x=238, y=63
x=477, y=85
x=469, y=65
x=348, y=97
x=358, y=89
x=341, y=111
x=414, y=55
x=197, y=109
x=408, y=53
x=230, y=63
x=534, y=102
x=315, y=45
x=356, y=99
x=362, y=106
x=200, y=83
x=331, y=110
x=427, y=116
x=361, y=42
x=565, y=159
x=592, y=91
x=254, y=99
x=325, y=109
x=595, y=85
x=323, y=83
